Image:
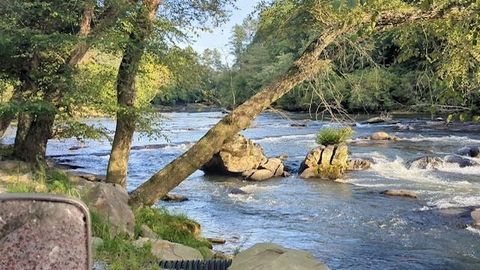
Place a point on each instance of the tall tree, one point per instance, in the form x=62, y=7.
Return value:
x=174, y=14
x=126, y=92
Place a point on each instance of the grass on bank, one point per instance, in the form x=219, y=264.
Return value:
x=44, y=180
x=118, y=252
x=332, y=136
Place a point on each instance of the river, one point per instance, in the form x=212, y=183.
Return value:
x=347, y=225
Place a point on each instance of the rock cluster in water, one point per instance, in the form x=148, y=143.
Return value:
x=327, y=162
x=241, y=156
x=465, y=157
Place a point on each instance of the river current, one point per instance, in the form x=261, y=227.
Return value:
x=347, y=225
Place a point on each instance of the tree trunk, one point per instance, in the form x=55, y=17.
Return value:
x=23, y=125
x=126, y=93
x=34, y=144
x=304, y=68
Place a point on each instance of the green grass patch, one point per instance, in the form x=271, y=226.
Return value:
x=45, y=180
x=332, y=136
x=118, y=252
x=172, y=227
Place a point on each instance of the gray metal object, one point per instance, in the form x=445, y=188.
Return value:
x=196, y=265
x=43, y=231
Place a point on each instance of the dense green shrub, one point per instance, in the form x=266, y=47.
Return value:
x=331, y=136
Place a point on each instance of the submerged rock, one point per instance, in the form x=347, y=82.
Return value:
x=168, y=251
x=237, y=191
x=426, y=163
x=174, y=198
x=242, y=156
x=325, y=162
x=400, y=193
x=275, y=257
x=382, y=136
x=469, y=151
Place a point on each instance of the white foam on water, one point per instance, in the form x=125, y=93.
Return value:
x=451, y=138
x=244, y=198
x=181, y=146
x=455, y=201
x=285, y=138
x=254, y=188
x=455, y=168
x=473, y=230
x=376, y=156
x=396, y=170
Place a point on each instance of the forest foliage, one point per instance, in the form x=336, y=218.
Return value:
x=428, y=66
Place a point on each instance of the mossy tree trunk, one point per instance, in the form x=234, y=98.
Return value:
x=126, y=92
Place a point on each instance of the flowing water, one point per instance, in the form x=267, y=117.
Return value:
x=347, y=225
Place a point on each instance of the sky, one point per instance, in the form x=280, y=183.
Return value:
x=219, y=37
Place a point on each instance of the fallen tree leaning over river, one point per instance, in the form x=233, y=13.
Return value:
x=307, y=65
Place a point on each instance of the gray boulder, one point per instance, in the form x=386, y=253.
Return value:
x=275, y=257
x=469, y=151
x=110, y=201
x=168, y=251
x=461, y=161
x=426, y=163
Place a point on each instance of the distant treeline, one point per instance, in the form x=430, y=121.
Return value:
x=421, y=67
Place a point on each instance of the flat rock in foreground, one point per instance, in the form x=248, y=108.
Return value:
x=275, y=257
x=168, y=251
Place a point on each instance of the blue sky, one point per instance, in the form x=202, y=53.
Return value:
x=220, y=36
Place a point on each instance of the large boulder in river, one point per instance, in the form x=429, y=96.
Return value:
x=242, y=156
x=237, y=155
x=275, y=257
x=110, y=201
x=328, y=162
